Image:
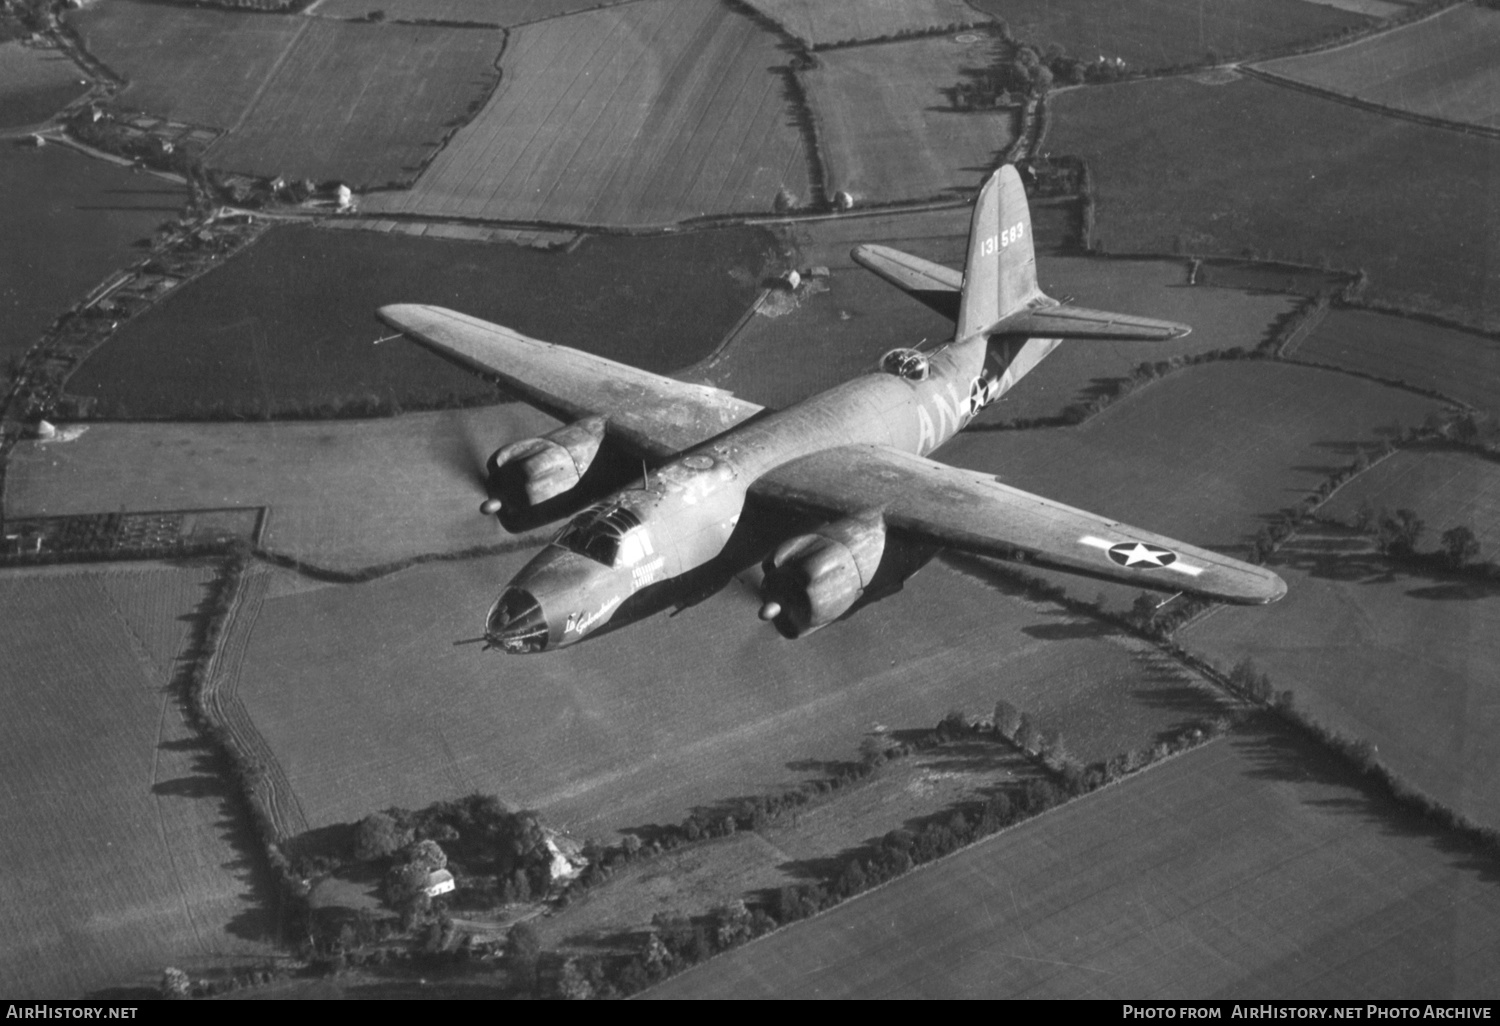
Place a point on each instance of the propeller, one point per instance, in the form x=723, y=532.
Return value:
x=463, y=457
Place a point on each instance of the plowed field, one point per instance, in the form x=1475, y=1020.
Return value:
x=888, y=130
x=1250, y=868
x=123, y=852
x=305, y=97
x=646, y=113
x=1443, y=67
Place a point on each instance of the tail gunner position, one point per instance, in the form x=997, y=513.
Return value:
x=852, y=459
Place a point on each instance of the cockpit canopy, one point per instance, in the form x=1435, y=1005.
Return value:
x=910, y=364
x=606, y=533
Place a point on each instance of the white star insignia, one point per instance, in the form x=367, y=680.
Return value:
x=1138, y=554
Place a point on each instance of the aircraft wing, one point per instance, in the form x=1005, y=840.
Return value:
x=655, y=415
x=937, y=286
x=974, y=512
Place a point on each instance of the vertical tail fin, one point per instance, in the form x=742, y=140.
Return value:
x=1000, y=277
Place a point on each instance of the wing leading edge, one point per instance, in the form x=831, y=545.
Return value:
x=973, y=512
x=655, y=415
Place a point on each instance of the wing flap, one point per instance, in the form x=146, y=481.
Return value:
x=973, y=512
x=656, y=415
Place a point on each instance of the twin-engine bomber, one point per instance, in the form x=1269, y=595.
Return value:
x=850, y=463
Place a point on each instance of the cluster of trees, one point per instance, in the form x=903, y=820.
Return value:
x=498, y=855
x=1397, y=534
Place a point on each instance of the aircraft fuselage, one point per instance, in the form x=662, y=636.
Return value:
x=682, y=514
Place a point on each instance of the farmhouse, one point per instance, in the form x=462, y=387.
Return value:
x=439, y=881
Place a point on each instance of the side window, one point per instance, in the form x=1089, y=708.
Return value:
x=634, y=547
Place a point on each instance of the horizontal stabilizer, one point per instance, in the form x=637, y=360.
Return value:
x=1079, y=323
x=934, y=285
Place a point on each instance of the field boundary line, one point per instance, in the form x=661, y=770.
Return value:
x=714, y=358
x=1462, y=127
x=1074, y=800
x=220, y=699
x=265, y=83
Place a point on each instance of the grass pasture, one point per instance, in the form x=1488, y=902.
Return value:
x=646, y=113
x=79, y=219
x=1446, y=488
x=1311, y=179
x=35, y=84
x=1459, y=364
x=122, y=851
x=305, y=97
x=642, y=724
x=286, y=326
x=1166, y=33
x=887, y=129
x=342, y=495
x=1442, y=67
x=1402, y=659
x=823, y=24
x=365, y=104
x=1251, y=867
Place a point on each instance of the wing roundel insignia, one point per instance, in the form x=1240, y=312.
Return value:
x=1140, y=556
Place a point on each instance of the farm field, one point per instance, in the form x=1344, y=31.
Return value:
x=343, y=495
x=305, y=97
x=35, y=84
x=123, y=852
x=286, y=326
x=1405, y=660
x=705, y=876
x=81, y=218
x=646, y=113
x=1459, y=364
x=490, y=12
x=1446, y=488
x=644, y=723
x=204, y=67
x=1314, y=179
x=1442, y=67
x=887, y=129
x=1171, y=32
x=823, y=24
x=1251, y=867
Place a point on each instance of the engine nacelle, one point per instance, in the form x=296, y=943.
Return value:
x=813, y=579
x=534, y=470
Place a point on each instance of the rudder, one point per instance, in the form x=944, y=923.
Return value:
x=1000, y=275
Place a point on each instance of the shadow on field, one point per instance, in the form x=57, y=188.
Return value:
x=1333, y=553
x=212, y=778
x=1280, y=754
x=1006, y=767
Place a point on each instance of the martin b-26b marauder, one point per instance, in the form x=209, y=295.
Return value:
x=851, y=462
